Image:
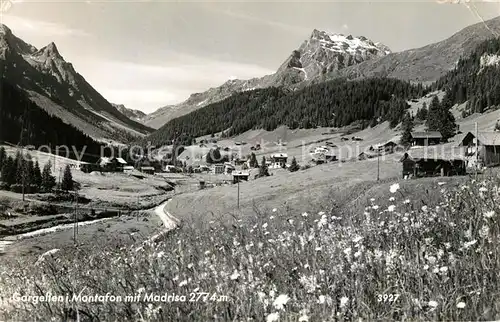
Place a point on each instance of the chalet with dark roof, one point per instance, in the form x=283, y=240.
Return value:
x=426, y=138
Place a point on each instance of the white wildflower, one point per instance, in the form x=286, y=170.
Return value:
x=392, y=199
x=280, y=301
x=375, y=207
x=305, y=214
x=483, y=189
x=443, y=269
x=489, y=214
x=460, y=305
x=432, y=303
x=357, y=239
x=343, y=301
x=265, y=225
x=183, y=283
x=394, y=188
x=321, y=299
x=235, y=275
x=160, y=254
x=407, y=201
x=274, y=209
x=391, y=208
x=303, y=318
x=424, y=208
x=273, y=317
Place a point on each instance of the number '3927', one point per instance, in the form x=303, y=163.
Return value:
x=387, y=298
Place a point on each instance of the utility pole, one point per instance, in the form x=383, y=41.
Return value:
x=238, y=192
x=477, y=150
x=75, y=222
x=378, y=164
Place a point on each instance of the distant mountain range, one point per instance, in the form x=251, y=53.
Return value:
x=322, y=53
x=53, y=84
x=135, y=115
x=325, y=56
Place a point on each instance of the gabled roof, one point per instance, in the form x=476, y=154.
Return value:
x=431, y=153
x=484, y=138
x=489, y=138
x=120, y=160
x=279, y=155
x=427, y=135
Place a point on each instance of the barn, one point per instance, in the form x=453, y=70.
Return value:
x=430, y=166
x=488, y=147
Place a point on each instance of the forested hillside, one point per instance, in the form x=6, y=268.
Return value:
x=23, y=122
x=336, y=103
x=476, y=79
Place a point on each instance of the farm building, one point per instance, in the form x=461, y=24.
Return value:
x=111, y=164
x=218, y=168
x=426, y=166
x=128, y=169
x=426, y=138
x=278, y=160
x=228, y=168
x=387, y=147
x=148, y=170
x=488, y=147
x=239, y=176
x=367, y=155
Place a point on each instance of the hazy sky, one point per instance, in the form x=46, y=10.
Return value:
x=147, y=54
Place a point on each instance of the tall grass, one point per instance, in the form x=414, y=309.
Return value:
x=392, y=261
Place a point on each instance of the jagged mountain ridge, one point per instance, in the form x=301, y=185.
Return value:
x=132, y=114
x=54, y=85
x=323, y=52
x=425, y=64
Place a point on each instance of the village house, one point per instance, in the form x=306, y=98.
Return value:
x=278, y=160
x=128, y=169
x=148, y=170
x=239, y=176
x=387, y=147
x=488, y=148
x=426, y=138
x=228, y=168
x=218, y=168
x=111, y=164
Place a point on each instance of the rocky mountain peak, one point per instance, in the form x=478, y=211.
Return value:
x=49, y=51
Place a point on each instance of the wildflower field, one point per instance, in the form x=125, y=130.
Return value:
x=393, y=259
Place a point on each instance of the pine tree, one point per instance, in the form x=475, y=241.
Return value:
x=294, y=166
x=253, y=161
x=48, y=180
x=433, y=115
x=3, y=156
x=422, y=113
x=407, y=129
x=263, y=171
x=9, y=171
x=37, y=175
x=440, y=117
x=67, y=180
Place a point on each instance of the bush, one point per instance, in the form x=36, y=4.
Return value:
x=39, y=209
x=17, y=188
x=4, y=185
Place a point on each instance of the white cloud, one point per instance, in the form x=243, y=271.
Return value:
x=38, y=27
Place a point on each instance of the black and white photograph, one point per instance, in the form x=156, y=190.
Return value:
x=265, y=161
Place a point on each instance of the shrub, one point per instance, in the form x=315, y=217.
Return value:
x=39, y=209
